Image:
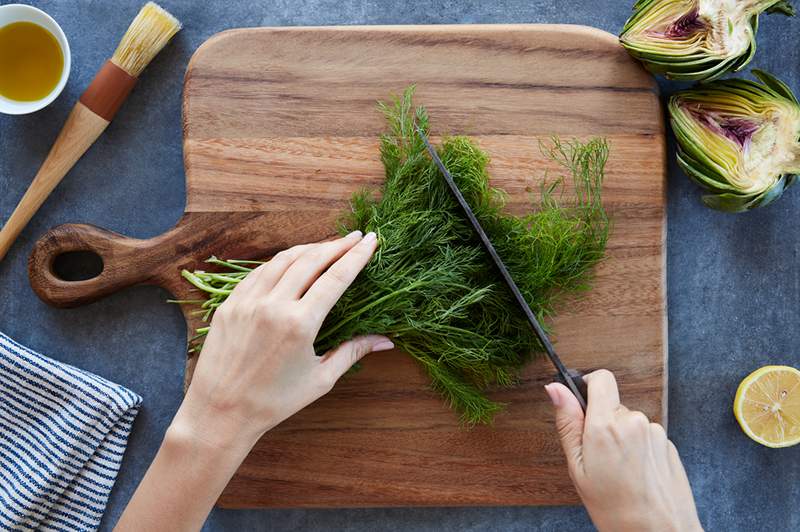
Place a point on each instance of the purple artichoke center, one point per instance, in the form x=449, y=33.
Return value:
x=686, y=25
x=738, y=130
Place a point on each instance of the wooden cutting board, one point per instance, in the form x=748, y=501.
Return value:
x=280, y=128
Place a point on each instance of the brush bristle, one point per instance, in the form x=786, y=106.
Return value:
x=147, y=35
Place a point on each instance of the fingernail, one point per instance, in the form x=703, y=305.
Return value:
x=355, y=233
x=553, y=394
x=370, y=237
x=383, y=345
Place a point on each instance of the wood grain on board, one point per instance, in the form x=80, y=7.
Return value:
x=281, y=127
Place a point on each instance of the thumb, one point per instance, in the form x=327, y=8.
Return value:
x=569, y=423
x=340, y=359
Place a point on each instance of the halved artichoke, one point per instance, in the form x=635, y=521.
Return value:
x=696, y=39
x=738, y=139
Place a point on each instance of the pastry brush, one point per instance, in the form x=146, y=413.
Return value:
x=149, y=32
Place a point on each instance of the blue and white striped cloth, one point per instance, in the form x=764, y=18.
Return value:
x=63, y=432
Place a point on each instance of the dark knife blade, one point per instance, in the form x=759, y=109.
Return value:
x=568, y=377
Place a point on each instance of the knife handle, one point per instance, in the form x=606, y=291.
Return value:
x=577, y=378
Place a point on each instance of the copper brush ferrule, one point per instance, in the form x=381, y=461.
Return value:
x=108, y=91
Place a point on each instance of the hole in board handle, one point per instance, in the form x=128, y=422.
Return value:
x=77, y=266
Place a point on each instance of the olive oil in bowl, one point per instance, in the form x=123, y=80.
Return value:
x=31, y=62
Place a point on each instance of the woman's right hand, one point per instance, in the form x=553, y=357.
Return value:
x=627, y=473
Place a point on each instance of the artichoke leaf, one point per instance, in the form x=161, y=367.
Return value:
x=779, y=87
x=691, y=168
x=772, y=193
x=783, y=8
x=730, y=203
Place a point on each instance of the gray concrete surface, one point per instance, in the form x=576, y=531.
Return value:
x=733, y=280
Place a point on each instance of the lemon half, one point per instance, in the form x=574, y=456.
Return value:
x=767, y=406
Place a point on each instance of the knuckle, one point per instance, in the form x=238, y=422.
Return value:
x=339, y=274
x=364, y=252
x=658, y=431
x=313, y=256
x=597, y=425
x=327, y=379
x=613, y=432
x=601, y=374
x=233, y=311
x=284, y=255
x=257, y=271
x=297, y=324
x=295, y=251
x=638, y=419
x=362, y=348
x=295, y=319
x=264, y=312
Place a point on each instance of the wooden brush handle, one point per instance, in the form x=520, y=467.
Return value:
x=88, y=119
x=79, y=133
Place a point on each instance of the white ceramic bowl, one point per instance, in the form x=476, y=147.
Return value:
x=21, y=13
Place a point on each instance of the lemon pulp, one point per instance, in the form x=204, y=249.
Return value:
x=767, y=406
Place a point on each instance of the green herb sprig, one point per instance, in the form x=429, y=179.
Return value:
x=430, y=287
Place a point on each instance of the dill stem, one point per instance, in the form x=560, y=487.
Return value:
x=233, y=264
x=378, y=301
x=197, y=282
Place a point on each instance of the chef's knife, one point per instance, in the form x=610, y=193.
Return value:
x=571, y=378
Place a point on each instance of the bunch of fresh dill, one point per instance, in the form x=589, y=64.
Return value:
x=430, y=287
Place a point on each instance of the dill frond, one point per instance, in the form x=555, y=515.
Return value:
x=430, y=287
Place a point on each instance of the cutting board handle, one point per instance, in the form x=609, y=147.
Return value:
x=159, y=260
x=125, y=262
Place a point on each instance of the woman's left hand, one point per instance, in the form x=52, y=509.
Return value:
x=257, y=367
x=258, y=364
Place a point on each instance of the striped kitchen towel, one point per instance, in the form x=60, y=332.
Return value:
x=63, y=432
